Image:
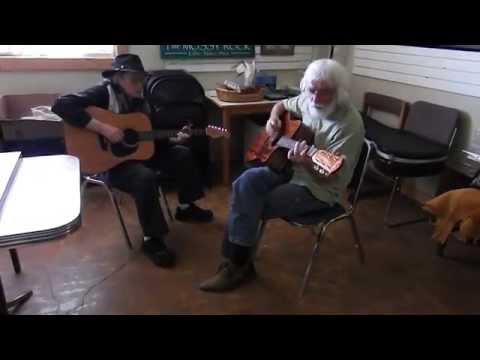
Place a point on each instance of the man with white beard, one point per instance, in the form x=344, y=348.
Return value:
x=324, y=107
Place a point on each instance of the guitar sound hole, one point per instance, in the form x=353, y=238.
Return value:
x=130, y=137
x=128, y=146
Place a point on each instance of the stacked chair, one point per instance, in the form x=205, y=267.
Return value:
x=419, y=148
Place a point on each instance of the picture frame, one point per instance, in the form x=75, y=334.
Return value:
x=277, y=50
x=200, y=51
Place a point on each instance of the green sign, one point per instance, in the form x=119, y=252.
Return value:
x=206, y=51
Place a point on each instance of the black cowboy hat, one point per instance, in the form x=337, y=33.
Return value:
x=125, y=63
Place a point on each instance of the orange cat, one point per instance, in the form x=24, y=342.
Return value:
x=470, y=227
x=456, y=207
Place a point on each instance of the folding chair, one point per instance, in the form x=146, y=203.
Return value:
x=419, y=149
x=321, y=221
x=102, y=180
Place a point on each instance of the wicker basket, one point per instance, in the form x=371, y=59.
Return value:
x=227, y=95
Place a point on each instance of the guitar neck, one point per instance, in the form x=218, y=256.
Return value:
x=288, y=143
x=165, y=134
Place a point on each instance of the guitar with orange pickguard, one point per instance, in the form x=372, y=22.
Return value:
x=98, y=155
x=274, y=153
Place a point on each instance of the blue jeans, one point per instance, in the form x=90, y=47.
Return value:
x=259, y=193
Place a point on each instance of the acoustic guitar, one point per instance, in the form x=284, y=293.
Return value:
x=274, y=152
x=98, y=155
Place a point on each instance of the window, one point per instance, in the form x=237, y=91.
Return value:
x=57, y=57
x=57, y=51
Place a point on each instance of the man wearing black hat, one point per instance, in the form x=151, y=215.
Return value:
x=122, y=92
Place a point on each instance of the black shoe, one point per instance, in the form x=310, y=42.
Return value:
x=229, y=276
x=194, y=214
x=158, y=252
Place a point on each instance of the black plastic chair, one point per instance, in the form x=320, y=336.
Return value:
x=321, y=221
x=419, y=149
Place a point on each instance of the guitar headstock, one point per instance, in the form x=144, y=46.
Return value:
x=217, y=132
x=327, y=163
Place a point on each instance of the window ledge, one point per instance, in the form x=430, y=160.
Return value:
x=19, y=64
x=37, y=64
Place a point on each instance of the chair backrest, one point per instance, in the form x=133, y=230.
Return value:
x=359, y=174
x=387, y=104
x=433, y=122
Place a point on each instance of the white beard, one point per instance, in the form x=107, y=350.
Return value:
x=322, y=112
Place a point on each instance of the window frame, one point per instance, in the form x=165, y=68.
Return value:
x=19, y=64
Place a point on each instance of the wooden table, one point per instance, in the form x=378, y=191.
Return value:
x=229, y=111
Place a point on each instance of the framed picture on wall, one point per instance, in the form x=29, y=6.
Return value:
x=186, y=52
x=277, y=50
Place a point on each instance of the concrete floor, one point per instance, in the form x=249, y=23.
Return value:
x=93, y=272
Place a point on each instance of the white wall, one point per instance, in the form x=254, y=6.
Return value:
x=468, y=106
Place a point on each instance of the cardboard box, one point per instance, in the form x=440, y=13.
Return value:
x=19, y=130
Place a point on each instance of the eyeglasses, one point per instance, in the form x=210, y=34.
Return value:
x=322, y=92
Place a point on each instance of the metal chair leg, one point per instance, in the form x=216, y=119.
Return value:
x=356, y=239
x=15, y=261
x=395, y=189
x=82, y=193
x=165, y=202
x=120, y=217
x=111, y=195
x=306, y=277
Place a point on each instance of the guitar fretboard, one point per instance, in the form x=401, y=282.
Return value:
x=290, y=144
x=165, y=134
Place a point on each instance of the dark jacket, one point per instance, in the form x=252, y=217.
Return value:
x=71, y=107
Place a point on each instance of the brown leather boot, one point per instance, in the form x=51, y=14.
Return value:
x=229, y=276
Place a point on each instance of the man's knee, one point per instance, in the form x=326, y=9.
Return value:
x=145, y=180
x=183, y=154
x=184, y=161
x=133, y=178
x=249, y=181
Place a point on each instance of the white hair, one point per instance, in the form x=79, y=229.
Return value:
x=330, y=71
